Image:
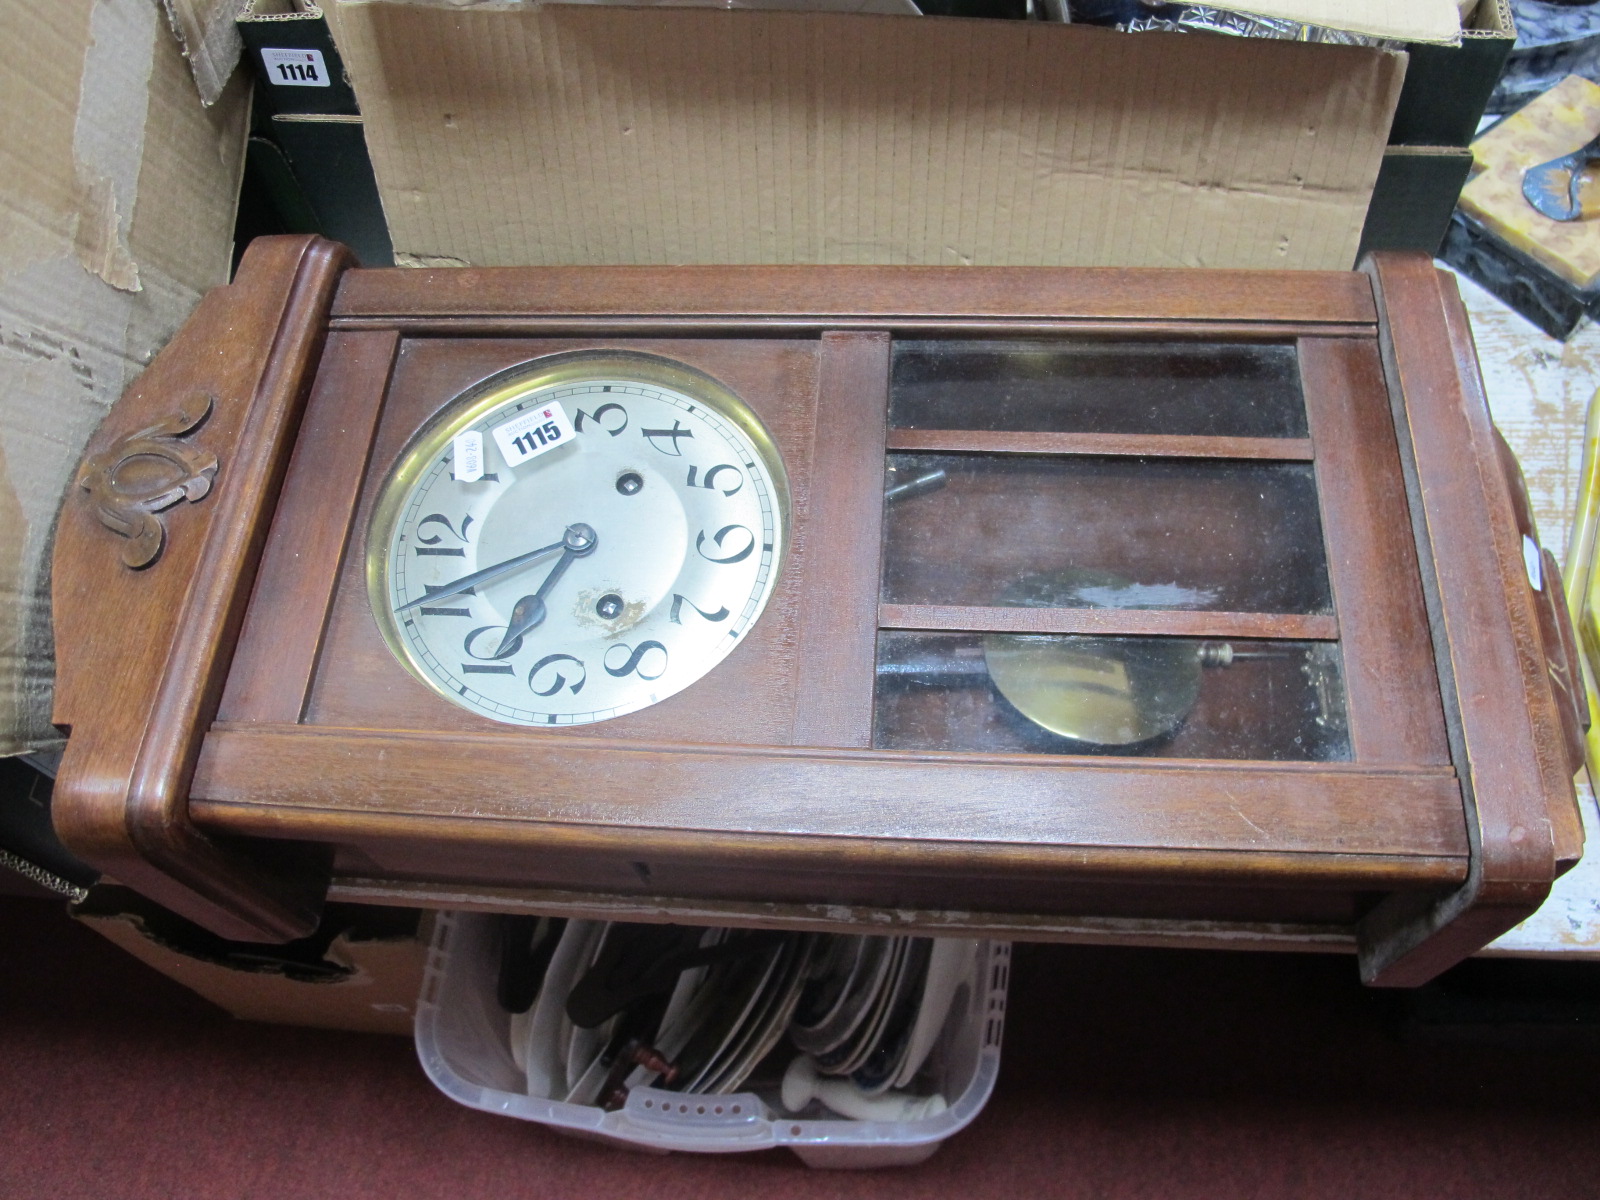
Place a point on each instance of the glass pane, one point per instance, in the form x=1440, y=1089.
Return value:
x=1067, y=532
x=1152, y=697
x=1098, y=387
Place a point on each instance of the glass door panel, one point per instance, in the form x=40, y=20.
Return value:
x=1133, y=696
x=1177, y=388
x=1088, y=532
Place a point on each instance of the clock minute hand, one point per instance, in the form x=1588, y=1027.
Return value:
x=529, y=611
x=483, y=576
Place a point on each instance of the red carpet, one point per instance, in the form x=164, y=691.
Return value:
x=1129, y=1074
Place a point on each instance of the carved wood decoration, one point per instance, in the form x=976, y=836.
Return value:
x=235, y=727
x=145, y=472
x=142, y=656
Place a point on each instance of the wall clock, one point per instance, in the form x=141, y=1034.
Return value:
x=1155, y=606
x=668, y=506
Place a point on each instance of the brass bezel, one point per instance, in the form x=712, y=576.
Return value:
x=503, y=387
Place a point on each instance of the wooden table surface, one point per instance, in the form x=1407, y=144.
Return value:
x=1539, y=390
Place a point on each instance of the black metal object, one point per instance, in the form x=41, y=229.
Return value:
x=29, y=847
x=1535, y=291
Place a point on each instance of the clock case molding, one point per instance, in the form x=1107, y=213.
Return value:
x=241, y=742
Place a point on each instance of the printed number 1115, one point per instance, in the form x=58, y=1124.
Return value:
x=540, y=435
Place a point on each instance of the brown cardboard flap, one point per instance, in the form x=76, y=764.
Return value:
x=570, y=134
x=210, y=41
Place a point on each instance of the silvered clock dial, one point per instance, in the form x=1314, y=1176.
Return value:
x=578, y=538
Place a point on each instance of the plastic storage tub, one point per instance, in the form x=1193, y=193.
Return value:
x=462, y=1039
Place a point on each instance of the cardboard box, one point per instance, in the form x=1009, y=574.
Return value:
x=116, y=214
x=595, y=134
x=1415, y=194
x=315, y=124
x=362, y=970
x=328, y=156
x=208, y=39
x=1447, y=87
x=1426, y=164
x=269, y=30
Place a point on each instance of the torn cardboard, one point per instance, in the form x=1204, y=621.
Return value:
x=118, y=199
x=209, y=40
x=587, y=135
x=361, y=971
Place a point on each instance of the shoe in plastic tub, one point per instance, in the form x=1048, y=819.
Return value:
x=463, y=1041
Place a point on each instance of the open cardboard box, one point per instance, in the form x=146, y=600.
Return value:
x=1427, y=162
x=116, y=215
x=536, y=134
x=1452, y=70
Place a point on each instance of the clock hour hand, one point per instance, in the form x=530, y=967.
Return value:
x=579, y=540
x=484, y=576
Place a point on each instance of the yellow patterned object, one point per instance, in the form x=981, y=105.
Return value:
x=1557, y=123
x=1583, y=581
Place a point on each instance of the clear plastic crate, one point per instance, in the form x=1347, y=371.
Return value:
x=462, y=1039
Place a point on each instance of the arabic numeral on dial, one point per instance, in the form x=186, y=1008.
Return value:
x=487, y=664
x=719, y=537
x=709, y=479
x=636, y=663
x=430, y=544
x=677, y=609
x=557, y=675
x=430, y=589
x=656, y=436
x=601, y=418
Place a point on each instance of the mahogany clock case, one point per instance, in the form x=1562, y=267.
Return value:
x=1276, y=495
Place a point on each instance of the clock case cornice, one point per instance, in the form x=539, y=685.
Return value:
x=209, y=767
